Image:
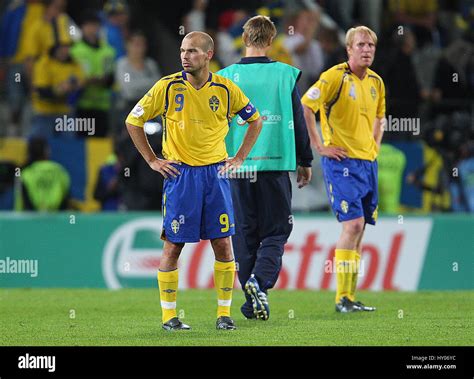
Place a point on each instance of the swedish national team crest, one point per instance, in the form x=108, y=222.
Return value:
x=214, y=103
x=344, y=206
x=373, y=93
x=175, y=226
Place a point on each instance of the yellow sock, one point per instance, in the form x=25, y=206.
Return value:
x=168, y=285
x=224, y=273
x=354, y=276
x=345, y=266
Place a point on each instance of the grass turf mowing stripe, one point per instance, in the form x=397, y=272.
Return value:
x=133, y=317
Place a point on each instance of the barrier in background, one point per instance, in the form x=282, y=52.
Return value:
x=123, y=250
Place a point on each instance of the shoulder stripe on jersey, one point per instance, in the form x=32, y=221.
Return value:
x=336, y=98
x=173, y=77
x=376, y=77
x=163, y=116
x=228, y=96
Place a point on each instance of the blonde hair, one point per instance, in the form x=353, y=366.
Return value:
x=350, y=35
x=259, y=31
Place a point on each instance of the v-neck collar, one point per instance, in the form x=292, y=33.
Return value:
x=185, y=77
x=354, y=74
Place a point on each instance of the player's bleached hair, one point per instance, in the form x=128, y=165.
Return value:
x=259, y=32
x=350, y=35
x=206, y=41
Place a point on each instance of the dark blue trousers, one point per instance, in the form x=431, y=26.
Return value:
x=263, y=224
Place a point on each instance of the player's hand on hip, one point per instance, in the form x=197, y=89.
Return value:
x=231, y=165
x=304, y=176
x=165, y=167
x=334, y=152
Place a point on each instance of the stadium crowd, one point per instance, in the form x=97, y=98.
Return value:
x=71, y=71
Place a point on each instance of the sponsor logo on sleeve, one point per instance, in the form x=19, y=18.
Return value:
x=138, y=111
x=314, y=93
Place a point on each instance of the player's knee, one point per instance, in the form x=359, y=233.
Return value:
x=354, y=227
x=222, y=248
x=172, y=250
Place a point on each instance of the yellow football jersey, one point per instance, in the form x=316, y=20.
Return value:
x=49, y=73
x=348, y=107
x=195, y=122
x=43, y=35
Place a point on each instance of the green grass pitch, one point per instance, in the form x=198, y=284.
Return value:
x=132, y=317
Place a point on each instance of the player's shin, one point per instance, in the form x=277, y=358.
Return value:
x=345, y=262
x=354, y=276
x=168, y=285
x=224, y=273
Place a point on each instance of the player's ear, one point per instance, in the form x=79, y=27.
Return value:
x=245, y=39
x=210, y=54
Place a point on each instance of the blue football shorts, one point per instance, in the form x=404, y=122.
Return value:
x=351, y=185
x=197, y=204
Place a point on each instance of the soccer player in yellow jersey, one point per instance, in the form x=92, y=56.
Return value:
x=196, y=107
x=351, y=101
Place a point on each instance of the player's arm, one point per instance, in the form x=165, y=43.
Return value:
x=379, y=126
x=380, y=120
x=251, y=135
x=163, y=166
x=150, y=106
x=241, y=105
x=318, y=94
x=304, y=154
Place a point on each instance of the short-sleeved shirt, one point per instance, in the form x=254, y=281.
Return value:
x=34, y=12
x=348, y=107
x=195, y=121
x=43, y=35
x=48, y=73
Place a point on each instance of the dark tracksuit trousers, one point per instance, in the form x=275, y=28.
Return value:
x=263, y=223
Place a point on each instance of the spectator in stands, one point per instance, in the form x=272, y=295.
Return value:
x=334, y=51
x=96, y=58
x=369, y=12
x=107, y=187
x=142, y=188
x=466, y=176
x=227, y=53
x=13, y=50
x=454, y=79
x=403, y=85
x=432, y=177
x=420, y=15
x=391, y=165
x=116, y=25
x=45, y=184
x=55, y=27
x=195, y=20
x=135, y=74
x=57, y=81
x=306, y=52
x=7, y=180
